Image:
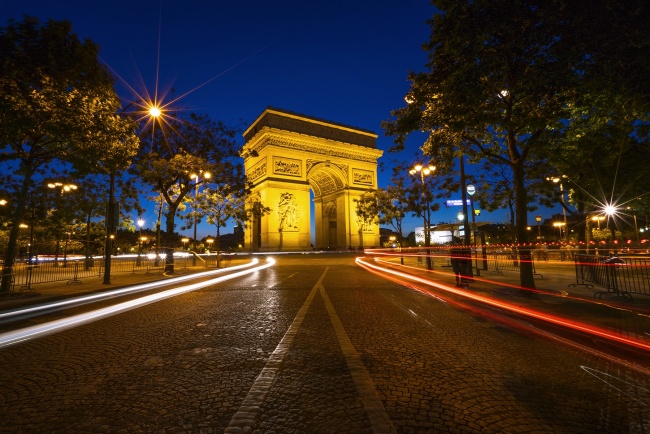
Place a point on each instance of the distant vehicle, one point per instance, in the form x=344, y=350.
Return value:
x=614, y=260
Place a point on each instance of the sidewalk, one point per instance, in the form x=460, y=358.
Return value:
x=46, y=292
x=556, y=278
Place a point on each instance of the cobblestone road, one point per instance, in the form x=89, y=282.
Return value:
x=312, y=345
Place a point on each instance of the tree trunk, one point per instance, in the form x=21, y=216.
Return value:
x=169, y=249
x=89, y=261
x=160, y=208
x=10, y=254
x=526, y=277
x=218, y=245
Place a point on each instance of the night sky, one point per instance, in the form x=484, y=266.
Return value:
x=341, y=60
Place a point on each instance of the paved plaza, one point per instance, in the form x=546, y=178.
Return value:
x=313, y=344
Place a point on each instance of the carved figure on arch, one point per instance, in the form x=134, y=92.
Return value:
x=288, y=211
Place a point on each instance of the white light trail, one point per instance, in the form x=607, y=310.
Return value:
x=122, y=291
x=28, y=333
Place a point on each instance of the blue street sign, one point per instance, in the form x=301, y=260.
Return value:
x=457, y=202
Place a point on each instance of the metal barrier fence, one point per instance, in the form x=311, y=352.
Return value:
x=25, y=275
x=622, y=276
x=214, y=261
x=481, y=260
x=502, y=261
x=73, y=270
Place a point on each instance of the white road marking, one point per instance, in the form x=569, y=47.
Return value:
x=245, y=418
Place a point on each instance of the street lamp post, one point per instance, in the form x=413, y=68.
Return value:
x=538, y=218
x=426, y=216
x=556, y=181
x=464, y=198
x=139, y=260
x=110, y=217
x=144, y=241
x=154, y=112
x=64, y=188
x=206, y=175
x=471, y=190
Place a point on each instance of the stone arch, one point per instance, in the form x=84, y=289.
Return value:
x=290, y=155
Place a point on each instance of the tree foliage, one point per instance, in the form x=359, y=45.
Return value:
x=511, y=82
x=217, y=205
x=57, y=110
x=170, y=155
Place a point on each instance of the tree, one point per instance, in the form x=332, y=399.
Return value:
x=506, y=82
x=169, y=157
x=367, y=212
x=218, y=205
x=254, y=210
x=391, y=206
x=91, y=202
x=57, y=105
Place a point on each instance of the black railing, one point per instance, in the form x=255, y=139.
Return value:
x=617, y=275
x=73, y=271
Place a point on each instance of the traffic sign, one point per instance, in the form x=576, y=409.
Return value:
x=457, y=202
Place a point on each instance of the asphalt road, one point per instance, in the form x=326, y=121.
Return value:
x=314, y=344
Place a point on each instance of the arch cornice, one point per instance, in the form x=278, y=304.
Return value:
x=277, y=139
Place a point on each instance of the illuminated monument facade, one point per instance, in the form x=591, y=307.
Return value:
x=296, y=154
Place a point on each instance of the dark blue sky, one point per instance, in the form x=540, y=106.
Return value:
x=342, y=60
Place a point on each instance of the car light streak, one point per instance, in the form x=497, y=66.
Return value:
x=610, y=380
x=9, y=315
x=475, y=278
x=554, y=293
x=28, y=333
x=527, y=327
x=582, y=327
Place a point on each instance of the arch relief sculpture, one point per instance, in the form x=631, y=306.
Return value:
x=288, y=212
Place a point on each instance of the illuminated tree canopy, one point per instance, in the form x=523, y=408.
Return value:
x=509, y=81
x=172, y=153
x=57, y=111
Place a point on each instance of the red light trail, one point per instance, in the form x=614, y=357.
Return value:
x=510, y=307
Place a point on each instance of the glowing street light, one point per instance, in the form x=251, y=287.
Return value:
x=426, y=216
x=154, y=111
x=556, y=181
x=598, y=219
x=65, y=188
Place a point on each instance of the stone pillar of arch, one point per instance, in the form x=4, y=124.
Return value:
x=289, y=154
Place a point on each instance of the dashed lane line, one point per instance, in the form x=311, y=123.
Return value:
x=245, y=418
x=379, y=419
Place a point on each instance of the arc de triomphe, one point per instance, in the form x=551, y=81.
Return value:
x=296, y=154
